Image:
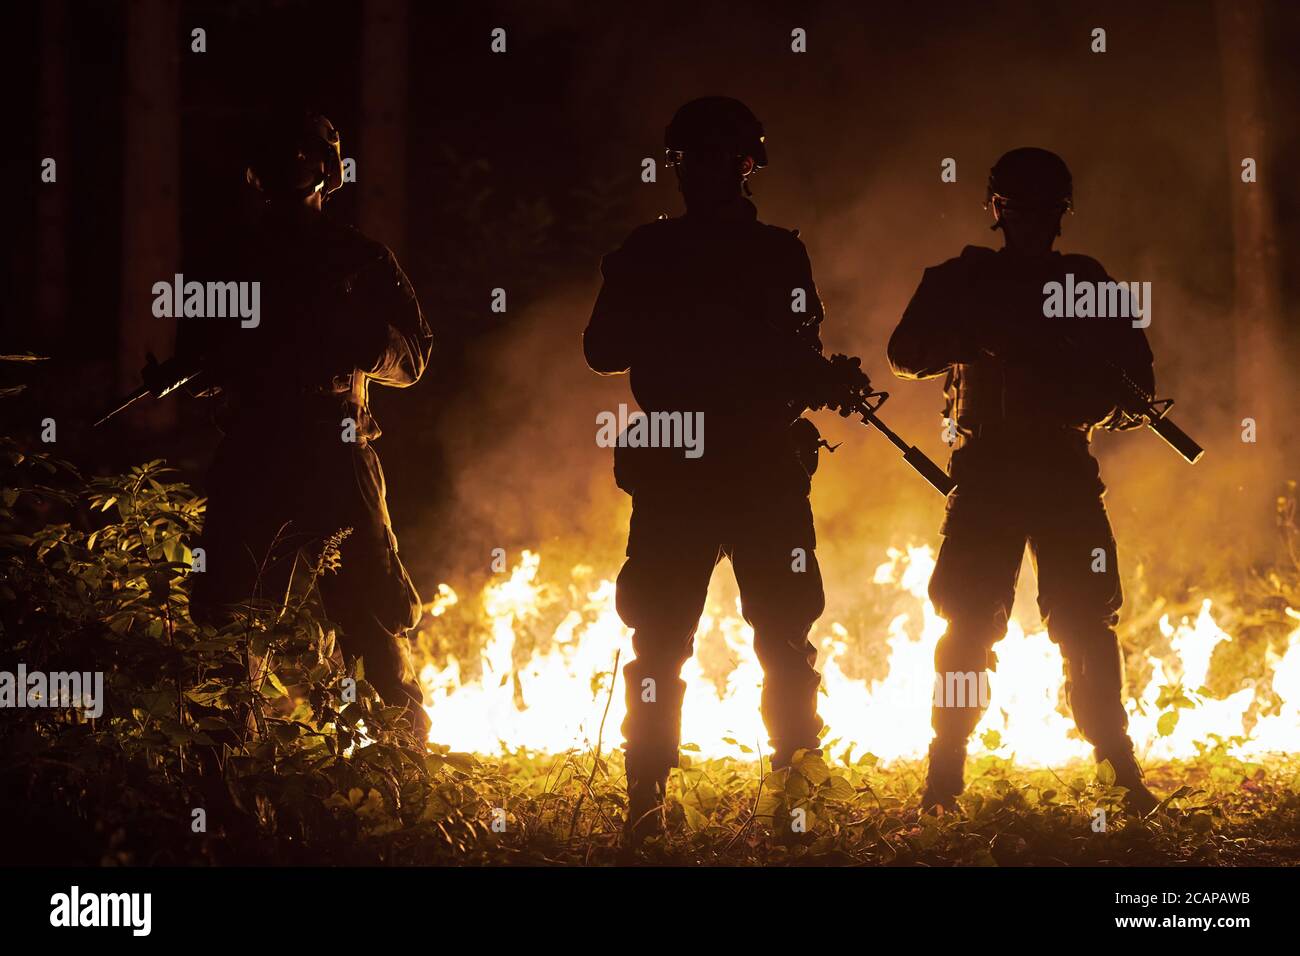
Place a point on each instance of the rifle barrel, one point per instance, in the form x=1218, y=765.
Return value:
x=1178, y=439
x=919, y=460
x=123, y=405
x=885, y=430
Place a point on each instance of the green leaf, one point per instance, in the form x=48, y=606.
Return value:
x=207, y=693
x=465, y=763
x=839, y=788
x=813, y=767
x=1106, y=773
x=277, y=684
x=769, y=804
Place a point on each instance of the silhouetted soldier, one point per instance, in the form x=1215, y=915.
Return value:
x=699, y=310
x=297, y=464
x=1024, y=409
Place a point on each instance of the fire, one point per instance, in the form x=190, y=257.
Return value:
x=555, y=700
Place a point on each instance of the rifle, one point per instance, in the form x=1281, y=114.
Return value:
x=849, y=392
x=1154, y=413
x=1136, y=407
x=163, y=378
x=160, y=380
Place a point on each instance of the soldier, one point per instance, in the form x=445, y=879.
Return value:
x=297, y=462
x=704, y=311
x=1023, y=408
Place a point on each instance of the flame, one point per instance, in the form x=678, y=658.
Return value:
x=554, y=700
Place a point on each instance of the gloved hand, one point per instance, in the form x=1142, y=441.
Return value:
x=1120, y=420
x=839, y=384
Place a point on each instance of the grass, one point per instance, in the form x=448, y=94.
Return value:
x=1223, y=812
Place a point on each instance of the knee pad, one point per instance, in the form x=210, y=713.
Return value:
x=788, y=606
x=968, y=648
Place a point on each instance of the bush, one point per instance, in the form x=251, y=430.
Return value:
x=238, y=744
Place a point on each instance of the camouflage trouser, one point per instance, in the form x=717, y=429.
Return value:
x=991, y=516
x=272, y=501
x=674, y=544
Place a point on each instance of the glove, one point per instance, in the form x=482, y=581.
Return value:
x=1120, y=420
x=843, y=385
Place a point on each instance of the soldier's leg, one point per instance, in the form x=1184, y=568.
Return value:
x=660, y=595
x=781, y=597
x=973, y=588
x=249, y=548
x=370, y=597
x=1079, y=596
x=249, y=540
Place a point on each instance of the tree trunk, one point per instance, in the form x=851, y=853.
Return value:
x=150, y=189
x=51, y=198
x=381, y=164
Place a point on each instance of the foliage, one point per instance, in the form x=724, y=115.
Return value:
x=1220, y=811
x=251, y=724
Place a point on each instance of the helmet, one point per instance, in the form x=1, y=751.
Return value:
x=1032, y=177
x=287, y=145
x=717, y=122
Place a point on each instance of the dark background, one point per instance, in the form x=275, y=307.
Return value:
x=519, y=170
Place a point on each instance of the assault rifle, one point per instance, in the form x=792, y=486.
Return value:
x=160, y=380
x=1135, y=407
x=844, y=387
x=163, y=378
x=1139, y=408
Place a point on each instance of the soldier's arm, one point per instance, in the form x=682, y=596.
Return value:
x=800, y=357
x=398, y=353
x=1125, y=345
x=931, y=338
x=609, y=342
x=809, y=330
x=210, y=346
x=1134, y=354
x=1140, y=362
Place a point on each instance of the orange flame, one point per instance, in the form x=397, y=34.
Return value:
x=554, y=703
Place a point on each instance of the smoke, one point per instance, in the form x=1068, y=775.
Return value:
x=857, y=129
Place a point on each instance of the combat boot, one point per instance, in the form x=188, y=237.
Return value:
x=944, y=776
x=790, y=714
x=646, y=799
x=782, y=759
x=1139, y=800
